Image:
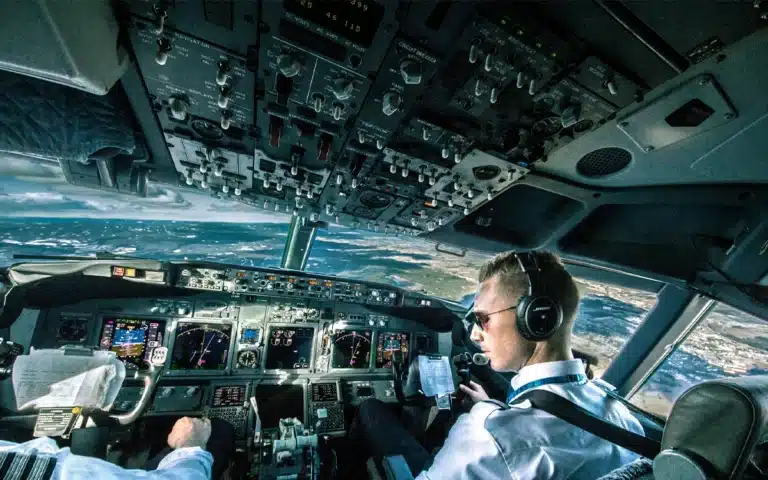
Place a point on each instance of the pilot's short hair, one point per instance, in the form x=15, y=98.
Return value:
x=559, y=283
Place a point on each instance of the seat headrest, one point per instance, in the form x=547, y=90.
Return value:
x=713, y=429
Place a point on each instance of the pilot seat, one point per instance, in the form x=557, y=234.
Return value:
x=716, y=429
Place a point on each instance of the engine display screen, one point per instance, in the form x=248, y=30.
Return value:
x=289, y=348
x=351, y=349
x=356, y=20
x=132, y=339
x=201, y=346
x=387, y=344
x=230, y=396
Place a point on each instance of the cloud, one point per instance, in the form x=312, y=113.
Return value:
x=37, y=188
x=23, y=168
x=25, y=198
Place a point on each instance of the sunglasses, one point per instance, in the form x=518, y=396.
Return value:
x=481, y=319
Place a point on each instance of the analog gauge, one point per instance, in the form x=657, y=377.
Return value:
x=73, y=330
x=247, y=359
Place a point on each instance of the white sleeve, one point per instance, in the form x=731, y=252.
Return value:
x=181, y=464
x=470, y=451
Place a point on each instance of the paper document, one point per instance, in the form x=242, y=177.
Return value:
x=436, y=377
x=49, y=378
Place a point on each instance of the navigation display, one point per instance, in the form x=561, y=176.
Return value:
x=230, y=396
x=351, y=349
x=133, y=340
x=289, y=347
x=387, y=344
x=201, y=346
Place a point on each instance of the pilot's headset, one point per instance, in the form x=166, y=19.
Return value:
x=538, y=314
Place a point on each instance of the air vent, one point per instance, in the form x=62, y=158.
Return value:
x=603, y=162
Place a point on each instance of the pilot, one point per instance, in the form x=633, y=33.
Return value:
x=188, y=459
x=495, y=440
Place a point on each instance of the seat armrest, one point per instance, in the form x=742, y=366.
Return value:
x=396, y=468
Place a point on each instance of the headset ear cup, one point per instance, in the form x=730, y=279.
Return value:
x=522, y=318
x=538, y=318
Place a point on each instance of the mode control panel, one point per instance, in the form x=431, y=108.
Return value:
x=201, y=279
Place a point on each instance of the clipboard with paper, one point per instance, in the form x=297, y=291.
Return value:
x=66, y=378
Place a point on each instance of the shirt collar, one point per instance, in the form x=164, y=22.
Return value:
x=539, y=371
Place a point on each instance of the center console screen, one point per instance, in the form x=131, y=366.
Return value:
x=132, y=339
x=279, y=401
x=387, y=344
x=352, y=349
x=229, y=396
x=201, y=346
x=289, y=347
x=324, y=392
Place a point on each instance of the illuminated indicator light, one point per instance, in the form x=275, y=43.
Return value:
x=312, y=281
x=328, y=283
x=130, y=272
x=118, y=271
x=271, y=278
x=291, y=280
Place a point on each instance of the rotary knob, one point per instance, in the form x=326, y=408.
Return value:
x=342, y=88
x=179, y=108
x=288, y=65
x=391, y=102
x=191, y=391
x=411, y=71
x=182, y=310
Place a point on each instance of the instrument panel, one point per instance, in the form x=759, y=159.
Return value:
x=316, y=353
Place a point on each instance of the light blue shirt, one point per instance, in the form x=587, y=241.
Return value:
x=181, y=464
x=527, y=443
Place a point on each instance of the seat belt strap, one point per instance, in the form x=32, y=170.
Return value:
x=577, y=416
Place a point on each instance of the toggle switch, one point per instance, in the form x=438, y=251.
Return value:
x=163, y=50
x=226, y=119
x=224, y=97
x=222, y=75
x=474, y=50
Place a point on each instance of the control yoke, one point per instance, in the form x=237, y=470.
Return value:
x=150, y=378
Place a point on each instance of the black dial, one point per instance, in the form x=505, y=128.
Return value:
x=73, y=330
x=247, y=359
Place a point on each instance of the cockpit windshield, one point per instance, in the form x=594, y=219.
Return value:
x=43, y=215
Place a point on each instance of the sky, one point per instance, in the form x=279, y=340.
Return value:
x=31, y=189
